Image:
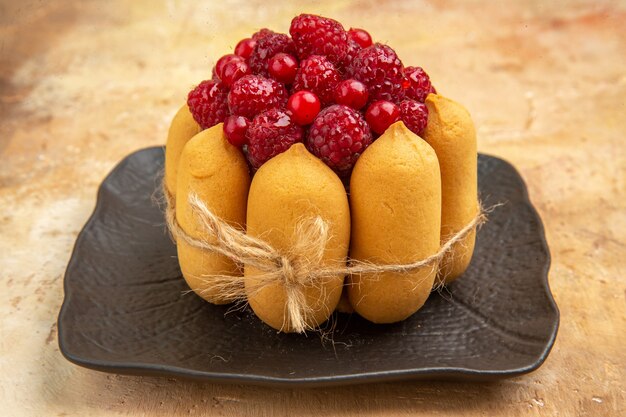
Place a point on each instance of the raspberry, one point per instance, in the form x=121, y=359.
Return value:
x=266, y=47
x=271, y=132
x=208, y=103
x=414, y=115
x=316, y=35
x=317, y=74
x=338, y=136
x=419, y=84
x=344, y=65
x=252, y=94
x=380, y=69
x=262, y=33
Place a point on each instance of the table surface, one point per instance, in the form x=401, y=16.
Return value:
x=82, y=84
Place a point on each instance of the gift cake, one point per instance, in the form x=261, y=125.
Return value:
x=315, y=172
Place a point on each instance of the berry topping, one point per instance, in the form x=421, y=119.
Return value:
x=317, y=74
x=316, y=35
x=361, y=37
x=270, y=133
x=414, y=115
x=266, y=47
x=208, y=103
x=235, y=128
x=221, y=63
x=262, y=33
x=283, y=67
x=380, y=69
x=304, y=106
x=234, y=70
x=252, y=94
x=351, y=93
x=338, y=136
x=418, y=85
x=381, y=114
x=353, y=50
x=245, y=47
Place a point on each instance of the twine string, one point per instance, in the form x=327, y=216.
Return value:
x=297, y=269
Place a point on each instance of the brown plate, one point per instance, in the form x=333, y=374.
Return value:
x=126, y=309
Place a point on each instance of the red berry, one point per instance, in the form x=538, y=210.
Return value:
x=338, y=136
x=262, y=33
x=316, y=35
x=351, y=93
x=414, y=115
x=265, y=48
x=283, y=67
x=304, y=106
x=381, y=114
x=418, y=85
x=317, y=74
x=234, y=70
x=344, y=65
x=361, y=37
x=432, y=90
x=270, y=133
x=235, y=128
x=221, y=63
x=380, y=69
x=245, y=47
x=252, y=94
x=208, y=103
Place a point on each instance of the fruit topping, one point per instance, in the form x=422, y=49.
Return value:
x=414, y=115
x=351, y=93
x=235, y=128
x=361, y=37
x=418, y=84
x=317, y=74
x=338, y=136
x=380, y=69
x=282, y=67
x=208, y=103
x=253, y=94
x=316, y=35
x=266, y=47
x=382, y=114
x=304, y=106
x=270, y=133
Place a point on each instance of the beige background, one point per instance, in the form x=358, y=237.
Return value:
x=82, y=84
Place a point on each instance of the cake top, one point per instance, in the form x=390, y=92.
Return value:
x=334, y=90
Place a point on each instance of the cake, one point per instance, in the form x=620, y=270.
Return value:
x=315, y=170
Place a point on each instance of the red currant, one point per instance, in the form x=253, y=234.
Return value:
x=283, y=67
x=234, y=70
x=351, y=93
x=361, y=37
x=381, y=114
x=219, y=66
x=235, y=128
x=245, y=47
x=304, y=106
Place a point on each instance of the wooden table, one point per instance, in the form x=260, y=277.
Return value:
x=82, y=84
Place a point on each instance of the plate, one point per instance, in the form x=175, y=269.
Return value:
x=127, y=310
